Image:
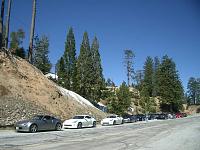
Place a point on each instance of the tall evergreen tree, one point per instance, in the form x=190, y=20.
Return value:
x=98, y=79
x=61, y=71
x=85, y=70
x=155, y=76
x=170, y=87
x=193, y=93
x=41, y=59
x=148, y=76
x=70, y=61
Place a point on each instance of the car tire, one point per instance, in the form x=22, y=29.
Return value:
x=58, y=127
x=122, y=122
x=79, y=126
x=114, y=122
x=33, y=128
x=94, y=124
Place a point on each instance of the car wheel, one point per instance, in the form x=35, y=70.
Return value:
x=58, y=127
x=33, y=128
x=114, y=122
x=122, y=121
x=94, y=124
x=79, y=125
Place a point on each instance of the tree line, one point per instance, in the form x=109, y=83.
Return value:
x=82, y=74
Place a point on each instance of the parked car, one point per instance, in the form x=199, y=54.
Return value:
x=80, y=121
x=129, y=118
x=112, y=120
x=179, y=115
x=39, y=123
x=162, y=116
x=141, y=117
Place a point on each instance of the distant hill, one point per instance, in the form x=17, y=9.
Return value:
x=25, y=91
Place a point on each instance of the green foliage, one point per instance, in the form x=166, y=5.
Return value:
x=61, y=71
x=85, y=70
x=70, y=61
x=20, y=52
x=155, y=76
x=148, y=76
x=170, y=87
x=17, y=38
x=139, y=78
x=16, y=41
x=41, y=60
x=109, y=82
x=98, y=80
x=122, y=101
x=193, y=93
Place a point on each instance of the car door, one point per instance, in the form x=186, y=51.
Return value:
x=47, y=123
x=88, y=121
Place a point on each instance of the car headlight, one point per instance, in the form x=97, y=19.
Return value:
x=25, y=124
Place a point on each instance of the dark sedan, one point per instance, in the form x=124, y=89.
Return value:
x=129, y=118
x=39, y=123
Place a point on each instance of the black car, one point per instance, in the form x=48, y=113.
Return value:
x=129, y=118
x=39, y=123
x=141, y=117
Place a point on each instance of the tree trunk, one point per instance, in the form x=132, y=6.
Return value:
x=30, y=52
x=7, y=23
x=1, y=23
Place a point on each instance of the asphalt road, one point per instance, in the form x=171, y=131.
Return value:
x=177, y=134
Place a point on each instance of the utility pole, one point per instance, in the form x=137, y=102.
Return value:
x=30, y=52
x=7, y=23
x=1, y=23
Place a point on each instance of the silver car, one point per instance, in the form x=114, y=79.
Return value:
x=39, y=123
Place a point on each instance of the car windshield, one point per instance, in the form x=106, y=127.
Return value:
x=78, y=117
x=111, y=117
x=38, y=117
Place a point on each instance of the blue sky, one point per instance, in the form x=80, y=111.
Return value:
x=148, y=27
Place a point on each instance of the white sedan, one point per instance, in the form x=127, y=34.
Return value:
x=80, y=121
x=112, y=120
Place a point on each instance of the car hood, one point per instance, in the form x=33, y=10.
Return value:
x=108, y=119
x=24, y=121
x=72, y=121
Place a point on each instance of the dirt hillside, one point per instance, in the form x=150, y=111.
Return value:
x=25, y=91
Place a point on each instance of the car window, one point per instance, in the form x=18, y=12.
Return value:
x=87, y=117
x=78, y=117
x=47, y=117
x=111, y=117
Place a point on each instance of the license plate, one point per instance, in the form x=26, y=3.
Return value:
x=17, y=128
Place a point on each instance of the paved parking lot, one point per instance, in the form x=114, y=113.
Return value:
x=177, y=134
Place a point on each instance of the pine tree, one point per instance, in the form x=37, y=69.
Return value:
x=85, y=70
x=41, y=60
x=61, y=72
x=155, y=76
x=148, y=76
x=120, y=103
x=193, y=93
x=70, y=61
x=170, y=87
x=98, y=79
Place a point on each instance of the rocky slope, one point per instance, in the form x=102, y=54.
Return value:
x=25, y=91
